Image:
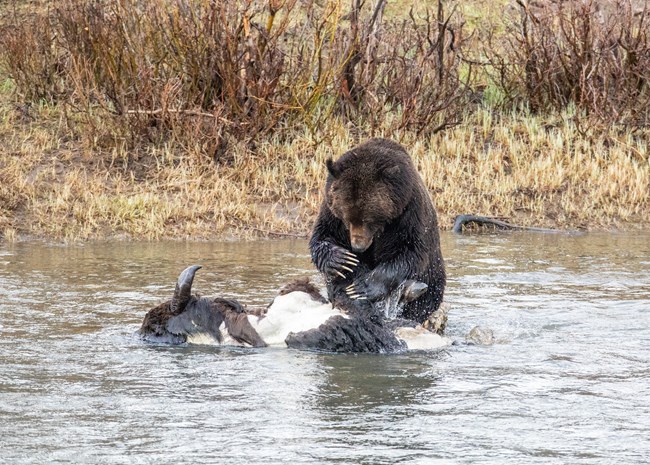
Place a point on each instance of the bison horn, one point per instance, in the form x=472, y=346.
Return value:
x=183, y=290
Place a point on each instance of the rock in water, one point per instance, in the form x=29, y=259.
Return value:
x=437, y=321
x=480, y=336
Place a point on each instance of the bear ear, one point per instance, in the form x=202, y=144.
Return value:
x=333, y=169
x=392, y=171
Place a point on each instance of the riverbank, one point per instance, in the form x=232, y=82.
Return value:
x=56, y=186
x=115, y=125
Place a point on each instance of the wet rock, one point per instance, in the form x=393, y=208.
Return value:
x=480, y=336
x=437, y=321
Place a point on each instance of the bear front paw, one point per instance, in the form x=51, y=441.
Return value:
x=340, y=261
x=362, y=289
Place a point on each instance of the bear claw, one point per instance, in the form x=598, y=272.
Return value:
x=354, y=294
x=340, y=262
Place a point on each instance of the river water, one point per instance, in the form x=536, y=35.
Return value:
x=567, y=380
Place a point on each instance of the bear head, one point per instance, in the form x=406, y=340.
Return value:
x=368, y=187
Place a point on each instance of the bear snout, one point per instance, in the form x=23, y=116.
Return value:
x=360, y=238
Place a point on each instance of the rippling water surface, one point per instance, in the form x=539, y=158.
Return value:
x=567, y=380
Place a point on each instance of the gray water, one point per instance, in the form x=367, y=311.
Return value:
x=567, y=381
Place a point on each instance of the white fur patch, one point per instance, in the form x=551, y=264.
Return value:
x=292, y=312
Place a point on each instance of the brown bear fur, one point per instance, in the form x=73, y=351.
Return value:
x=377, y=207
x=303, y=285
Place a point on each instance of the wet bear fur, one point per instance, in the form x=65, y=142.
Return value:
x=377, y=206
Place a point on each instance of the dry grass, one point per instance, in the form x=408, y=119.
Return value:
x=518, y=167
x=535, y=174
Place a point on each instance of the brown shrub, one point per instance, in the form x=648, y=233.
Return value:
x=202, y=72
x=590, y=53
x=31, y=58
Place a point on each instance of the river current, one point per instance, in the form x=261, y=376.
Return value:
x=566, y=381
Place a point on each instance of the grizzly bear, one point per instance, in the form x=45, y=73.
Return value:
x=377, y=228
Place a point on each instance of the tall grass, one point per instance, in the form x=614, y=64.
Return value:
x=515, y=166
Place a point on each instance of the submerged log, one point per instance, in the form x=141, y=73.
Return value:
x=461, y=221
